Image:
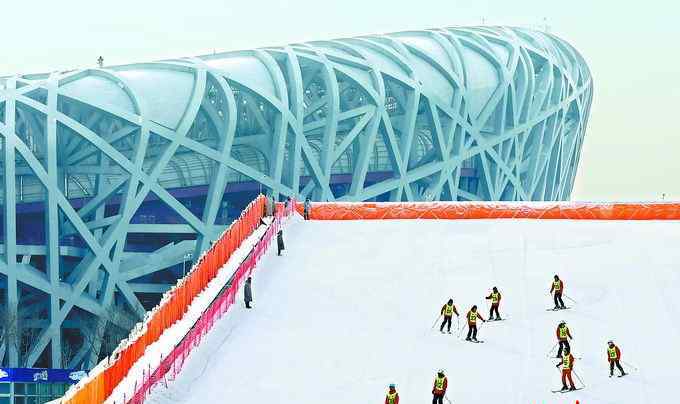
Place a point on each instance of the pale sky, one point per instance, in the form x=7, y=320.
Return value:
x=632, y=145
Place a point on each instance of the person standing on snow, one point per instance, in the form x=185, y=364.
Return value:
x=248, y=292
x=563, y=337
x=307, y=208
x=567, y=366
x=441, y=383
x=392, y=395
x=447, y=311
x=495, y=298
x=269, y=205
x=279, y=242
x=558, y=287
x=614, y=357
x=472, y=323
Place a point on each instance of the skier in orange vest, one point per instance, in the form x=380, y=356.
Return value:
x=614, y=357
x=448, y=310
x=563, y=337
x=567, y=366
x=441, y=383
x=495, y=298
x=472, y=317
x=558, y=287
x=392, y=396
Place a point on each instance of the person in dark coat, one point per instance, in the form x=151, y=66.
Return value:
x=307, y=208
x=279, y=242
x=269, y=206
x=248, y=292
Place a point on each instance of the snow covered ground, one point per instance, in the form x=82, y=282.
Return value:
x=349, y=308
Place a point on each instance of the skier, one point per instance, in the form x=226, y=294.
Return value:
x=279, y=242
x=248, y=292
x=447, y=311
x=439, y=388
x=307, y=208
x=472, y=323
x=614, y=357
x=567, y=366
x=563, y=337
x=558, y=287
x=392, y=395
x=495, y=297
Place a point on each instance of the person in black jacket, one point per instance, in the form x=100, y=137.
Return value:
x=279, y=242
x=248, y=292
x=307, y=209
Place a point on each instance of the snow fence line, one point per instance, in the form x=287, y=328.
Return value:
x=494, y=210
x=105, y=377
x=215, y=302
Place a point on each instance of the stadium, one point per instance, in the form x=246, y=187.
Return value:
x=115, y=177
x=119, y=180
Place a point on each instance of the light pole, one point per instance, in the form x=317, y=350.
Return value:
x=187, y=257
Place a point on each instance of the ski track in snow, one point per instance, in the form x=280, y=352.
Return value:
x=348, y=310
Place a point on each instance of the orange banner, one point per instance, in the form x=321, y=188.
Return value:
x=493, y=210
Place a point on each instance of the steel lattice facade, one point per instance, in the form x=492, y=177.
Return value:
x=115, y=174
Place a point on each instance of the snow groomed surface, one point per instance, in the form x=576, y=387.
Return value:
x=349, y=307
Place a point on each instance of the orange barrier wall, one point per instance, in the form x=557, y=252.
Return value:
x=493, y=210
x=175, y=303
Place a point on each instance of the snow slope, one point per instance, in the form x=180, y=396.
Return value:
x=350, y=306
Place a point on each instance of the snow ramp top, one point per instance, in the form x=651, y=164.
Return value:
x=494, y=210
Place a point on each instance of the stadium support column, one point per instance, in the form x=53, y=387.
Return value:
x=10, y=227
x=52, y=219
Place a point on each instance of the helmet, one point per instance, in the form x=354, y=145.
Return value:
x=440, y=371
x=562, y=322
x=610, y=342
x=392, y=385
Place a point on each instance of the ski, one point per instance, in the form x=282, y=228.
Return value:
x=569, y=391
x=566, y=308
x=502, y=319
x=566, y=391
x=475, y=342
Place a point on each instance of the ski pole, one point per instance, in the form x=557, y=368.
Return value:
x=462, y=330
x=574, y=301
x=629, y=365
x=436, y=321
x=579, y=378
x=552, y=349
x=447, y=399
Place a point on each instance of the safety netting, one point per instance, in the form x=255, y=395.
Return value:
x=493, y=210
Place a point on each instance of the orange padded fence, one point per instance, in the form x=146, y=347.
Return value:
x=104, y=379
x=493, y=210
